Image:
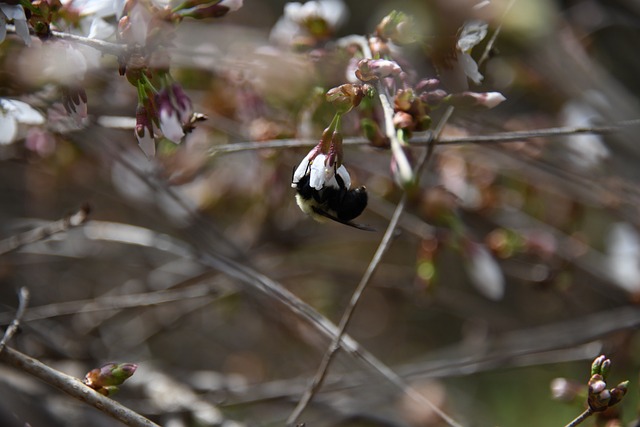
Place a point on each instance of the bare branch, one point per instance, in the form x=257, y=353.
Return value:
x=494, y=36
x=40, y=233
x=425, y=139
x=103, y=46
x=117, y=302
x=73, y=387
x=23, y=301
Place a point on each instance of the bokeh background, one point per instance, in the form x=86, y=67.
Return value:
x=181, y=266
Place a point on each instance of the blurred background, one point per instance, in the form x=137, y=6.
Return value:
x=199, y=267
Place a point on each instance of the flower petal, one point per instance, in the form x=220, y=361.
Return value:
x=8, y=128
x=470, y=67
x=302, y=168
x=344, y=174
x=23, y=112
x=147, y=144
x=233, y=5
x=13, y=12
x=320, y=173
x=170, y=125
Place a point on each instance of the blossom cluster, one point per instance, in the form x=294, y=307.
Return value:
x=144, y=31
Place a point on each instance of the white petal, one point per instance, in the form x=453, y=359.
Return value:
x=99, y=8
x=344, y=174
x=13, y=12
x=493, y=99
x=147, y=145
x=320, y=173
x=100, y=29
x=23, y=112
x=233, y=5
x=140, y=19
x=161, y=4
x=118, y=7
x=470, y=67
x=170, y=126
x=8, y=128
x=22, y=30
x=293, y=11
x=301, y=170
x=485, y=273
x=472, y=33
x=334, y=12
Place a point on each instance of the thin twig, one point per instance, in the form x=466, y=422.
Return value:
x=494, y=36
x=427, y=139
x=40, y=233
x=435, y=137
x=23, y=301
x=118, y=302
x=346, y=317
x=580, y=418
x=73, y=387
x=101, y=45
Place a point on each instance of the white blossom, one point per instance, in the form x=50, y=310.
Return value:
x=296, y=14
x=321, y=172
x=13, y=113
x=472, y=33
x=333, y=12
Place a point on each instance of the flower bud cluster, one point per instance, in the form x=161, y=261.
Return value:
x=600, y=398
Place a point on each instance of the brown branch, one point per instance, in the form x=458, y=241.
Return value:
x=23, y=301
x=117, y=302
x=494, y=36
x=73, y=387
x=101, y=45
x=580, y=418
x=425, y=139
x=40, y=233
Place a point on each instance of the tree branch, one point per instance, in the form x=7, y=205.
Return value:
x=40, y=233
x=23, y=301
x=580, y=418
x=73, y=387
x=425, y=139
x=101, y=45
